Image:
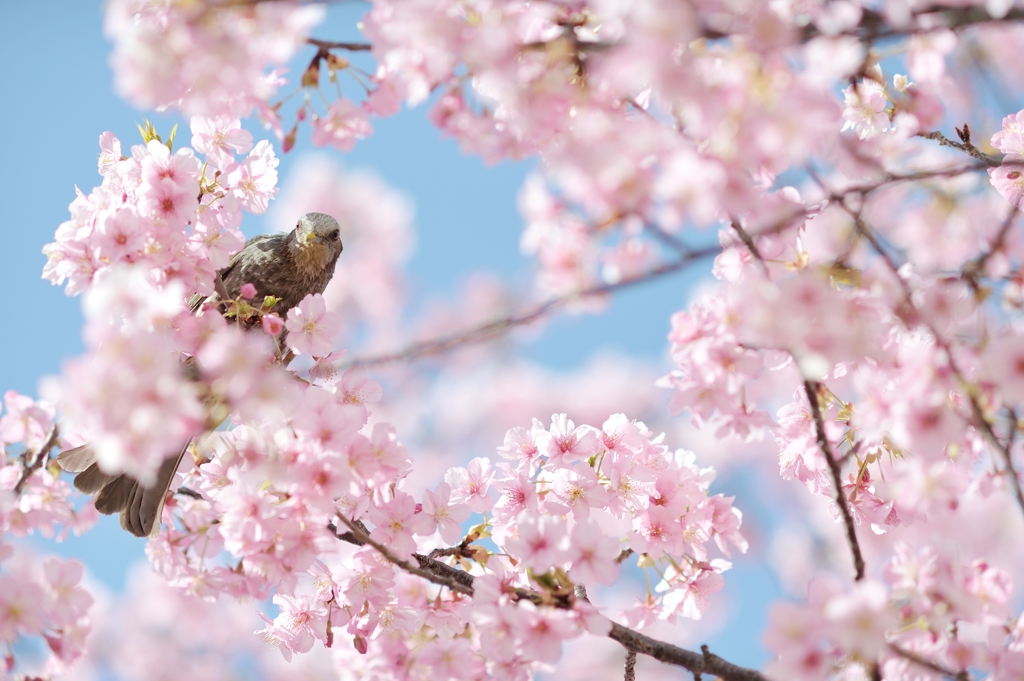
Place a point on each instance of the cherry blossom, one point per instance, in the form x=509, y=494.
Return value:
x=311, y=327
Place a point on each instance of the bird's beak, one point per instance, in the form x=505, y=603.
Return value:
x=319, y=240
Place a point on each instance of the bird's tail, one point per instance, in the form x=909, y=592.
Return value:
x=139, y=507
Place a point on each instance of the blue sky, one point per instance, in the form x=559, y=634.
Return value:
x=59, y=98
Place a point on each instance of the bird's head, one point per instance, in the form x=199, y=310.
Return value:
x=316, y=242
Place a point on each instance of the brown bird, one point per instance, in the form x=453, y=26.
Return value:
x=287, y=266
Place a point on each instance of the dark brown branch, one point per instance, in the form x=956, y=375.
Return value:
x=811, y=388
x=630, y=674
x=874, y=26
x=976, y=268
x=462, y=582
x=185, y=491
x=438, y=573
x=35, y=462
x=748, y=241
x=966, y=146
x=961, y=675
x=334, y=45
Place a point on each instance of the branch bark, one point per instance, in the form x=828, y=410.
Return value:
x=499, y=327
x=38, y=460
x=462, y=582
x=811, y=388
x=961, y=675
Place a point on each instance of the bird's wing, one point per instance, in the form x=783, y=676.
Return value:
x=76, y=459
x=196, y=301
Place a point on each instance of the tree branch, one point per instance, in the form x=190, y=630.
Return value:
x=334, y=45
x=748, y=241
x=630, y=674
x=966, y=147
x=462, y=582
x=975, y=268
x=37, y=462
x=499, y=327
x=961, y=675
x=811, y=388
x=437, y=572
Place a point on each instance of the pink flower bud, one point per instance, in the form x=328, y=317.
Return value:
x=272, y=324
x=360, y=644
x=247, y=291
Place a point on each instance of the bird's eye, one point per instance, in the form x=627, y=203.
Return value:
x=334, y=235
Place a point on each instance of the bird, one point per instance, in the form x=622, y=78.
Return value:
x=288, y=266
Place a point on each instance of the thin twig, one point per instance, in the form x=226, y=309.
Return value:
x=940, y=17
x=434, y=574
x=334, y=45
x=670, y=240
x=966, y=147
x=748, y=241
x=462, y=582
x=492, y=329
x=630, y=674
x=975, y=268
x=38, y=460
x=811, y=388
x=961, y=675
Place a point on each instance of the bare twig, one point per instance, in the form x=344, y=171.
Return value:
x=811, y=388
x=34, y=463
x=748, y=241
x=189, y=492
x=623, y=555
x=630, y=674
x=976, y=268
x=493, y=329
x=462, y=582
x=670, y=240
x=436, y=572
x=961, y=675
x=966, y=146
x=939, y=17
x=334, y=45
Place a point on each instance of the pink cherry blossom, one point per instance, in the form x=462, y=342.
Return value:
x=593, y=554
x=220, y=138
x=311, y=328
x=437, y=505
x=470, y=485
x=542, y=544
x=342, y=126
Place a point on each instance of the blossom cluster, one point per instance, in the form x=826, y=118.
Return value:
x=928, y=605
x=269, y=503
x=156, y=231
x=38, y=597
x=202, y=58
x=146, y=212
x=867, y=317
